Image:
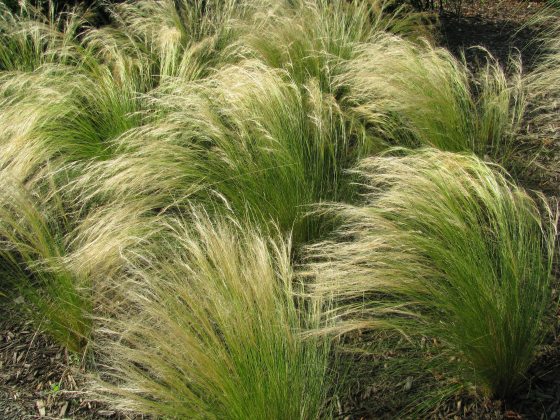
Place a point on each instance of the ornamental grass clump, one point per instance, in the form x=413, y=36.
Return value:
x=545, y=78
x=214, y=331
x=31, y=38
x=153, y=40
x=445, y=246
x=66, y=103
x=246, y=139
x=33, y=245
x=419, y=95
x=62, y=115
x=311, y=39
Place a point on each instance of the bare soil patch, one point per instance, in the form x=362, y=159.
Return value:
x=499, y=27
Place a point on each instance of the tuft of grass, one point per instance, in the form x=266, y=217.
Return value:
x=214, y=331
x=107, y=244
x=33, y=244
x=419, y=95
x=64, y=115
x=31, y=38
x=246, y=140
x=311, y=38
x=445, y=246
x=154, y=40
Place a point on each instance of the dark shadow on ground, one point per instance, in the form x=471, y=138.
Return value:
x=500, y=38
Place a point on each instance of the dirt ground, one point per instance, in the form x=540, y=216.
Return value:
x=498, y=26
x=39, y=379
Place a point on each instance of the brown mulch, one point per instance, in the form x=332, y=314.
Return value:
x=541, y=397
x=498, y=26
x=38, y=378
x=374, y=395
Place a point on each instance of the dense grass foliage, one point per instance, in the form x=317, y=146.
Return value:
x=245, y=140
x=31, y=38
x=254, y=111
x=424, y=96
x=311, y=39
x=444, y=246
x=153, y=40
x=32, y=250
x=218, y=331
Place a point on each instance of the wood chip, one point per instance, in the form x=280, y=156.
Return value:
x=63, y=410
x=408, y=384
x=40, y=407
